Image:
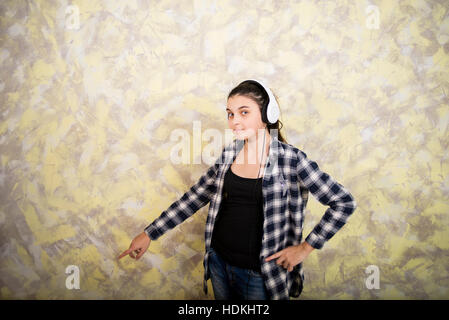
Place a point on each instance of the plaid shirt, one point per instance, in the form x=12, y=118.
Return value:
x=288, y=178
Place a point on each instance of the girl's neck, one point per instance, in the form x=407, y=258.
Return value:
x=254, y=145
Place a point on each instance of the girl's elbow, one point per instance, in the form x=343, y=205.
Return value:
x=353, y=205
x=349, y=204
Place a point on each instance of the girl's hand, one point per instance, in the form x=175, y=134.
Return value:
x=138, y=246
x=291, y=256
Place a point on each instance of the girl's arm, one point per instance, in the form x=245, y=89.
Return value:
x=328, y=192
x=194, y=199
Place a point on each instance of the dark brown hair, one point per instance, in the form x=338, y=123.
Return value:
x=256, y=93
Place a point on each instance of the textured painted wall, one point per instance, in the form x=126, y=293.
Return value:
x=91, y=90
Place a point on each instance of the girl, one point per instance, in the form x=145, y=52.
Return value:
x=258, y=191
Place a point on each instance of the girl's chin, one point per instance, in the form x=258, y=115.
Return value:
x=241, y=134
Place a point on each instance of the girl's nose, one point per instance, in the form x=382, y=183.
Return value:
x=235, y=120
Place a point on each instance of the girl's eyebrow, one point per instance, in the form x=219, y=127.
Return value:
x=227, y=109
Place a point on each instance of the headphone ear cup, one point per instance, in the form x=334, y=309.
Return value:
x=272, y=112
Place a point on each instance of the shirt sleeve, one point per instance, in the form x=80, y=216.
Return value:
x=190, y=202
x=328, y=192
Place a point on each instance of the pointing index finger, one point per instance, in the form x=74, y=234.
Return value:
x=124, y=254
x=273, y=256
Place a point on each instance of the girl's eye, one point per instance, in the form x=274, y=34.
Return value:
x=231, y=114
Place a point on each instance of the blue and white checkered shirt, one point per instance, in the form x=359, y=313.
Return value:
x=288, y=178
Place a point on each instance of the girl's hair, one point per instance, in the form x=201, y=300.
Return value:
x=248, y=89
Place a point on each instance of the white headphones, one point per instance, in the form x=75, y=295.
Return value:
x=270, y=113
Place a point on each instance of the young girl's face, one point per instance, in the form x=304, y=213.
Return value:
x=244, y=117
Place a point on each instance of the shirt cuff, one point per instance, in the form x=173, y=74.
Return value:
x=152, y=232
x=315, y=240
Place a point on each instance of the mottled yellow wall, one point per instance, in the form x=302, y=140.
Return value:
x=91, y=90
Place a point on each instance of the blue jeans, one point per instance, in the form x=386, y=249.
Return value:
x=234, y=283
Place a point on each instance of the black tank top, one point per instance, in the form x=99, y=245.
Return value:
x=238, y=229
